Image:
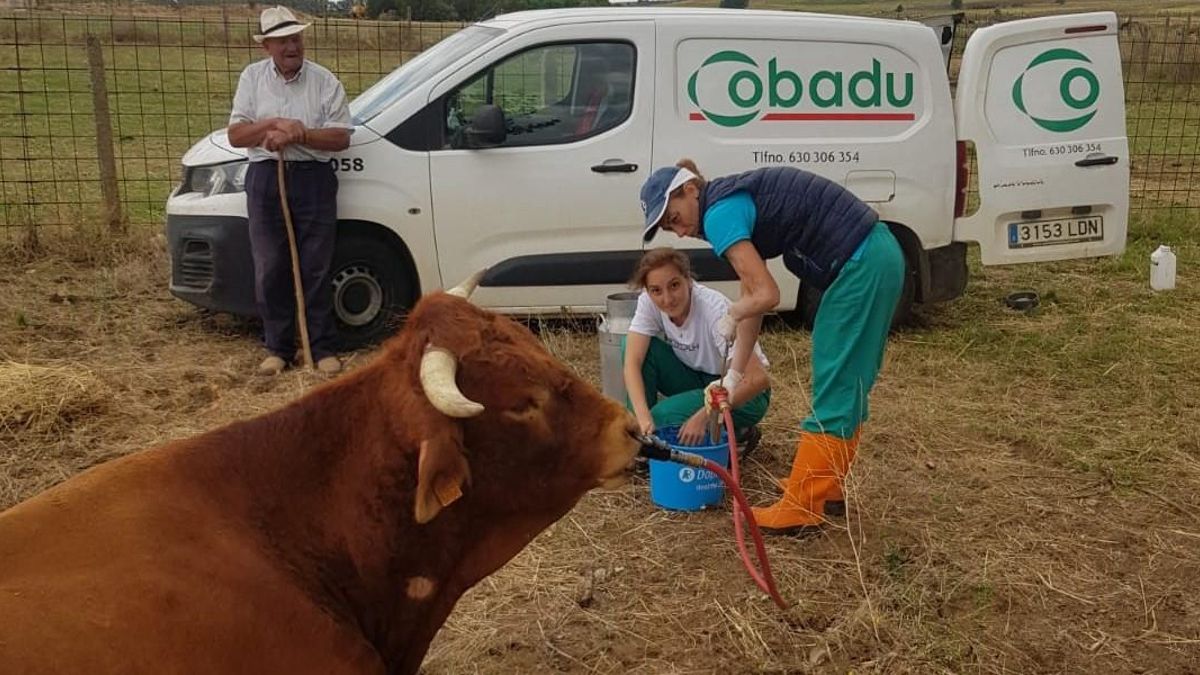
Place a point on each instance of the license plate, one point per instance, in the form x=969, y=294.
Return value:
x=1051, y=232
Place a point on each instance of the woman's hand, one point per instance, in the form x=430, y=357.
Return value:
x=646, y=424
x=692, y=432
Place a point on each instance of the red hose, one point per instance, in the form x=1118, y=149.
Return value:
x=765, y=581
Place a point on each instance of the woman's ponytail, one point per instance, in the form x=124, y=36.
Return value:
x=688, y=164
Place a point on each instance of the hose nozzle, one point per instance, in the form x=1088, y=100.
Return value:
x=654, y=447
x=716, y=398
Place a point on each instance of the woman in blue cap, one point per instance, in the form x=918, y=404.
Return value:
x=828, y=238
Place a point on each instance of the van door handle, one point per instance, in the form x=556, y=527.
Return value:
x=615, y=166
x=1101, y=160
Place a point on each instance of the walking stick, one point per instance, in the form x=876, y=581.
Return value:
x=301, y=315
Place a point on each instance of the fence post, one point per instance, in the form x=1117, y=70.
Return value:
x=105, y=153
x=27, y=212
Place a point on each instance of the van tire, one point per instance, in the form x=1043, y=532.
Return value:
x=808, y=301
x=372, y=289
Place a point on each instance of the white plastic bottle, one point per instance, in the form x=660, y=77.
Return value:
x=1162, y=269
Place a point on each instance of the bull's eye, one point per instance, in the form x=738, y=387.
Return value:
x=525, y=405
x=528, y=412
x=530, y=403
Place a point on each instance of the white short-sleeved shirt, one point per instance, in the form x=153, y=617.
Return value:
x=314, y=96
x=697, y=342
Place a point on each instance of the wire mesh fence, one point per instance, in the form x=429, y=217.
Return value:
x=1161, y=57
x=168, y=81
x=164, y=76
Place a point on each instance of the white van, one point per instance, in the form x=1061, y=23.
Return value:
x=520, y=143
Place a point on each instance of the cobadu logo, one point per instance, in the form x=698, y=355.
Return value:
x=1078, y=89
x=747, y=94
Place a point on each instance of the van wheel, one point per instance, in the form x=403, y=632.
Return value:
x=809, y=300
x=372, y=290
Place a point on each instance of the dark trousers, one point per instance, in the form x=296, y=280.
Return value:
x=312, y=199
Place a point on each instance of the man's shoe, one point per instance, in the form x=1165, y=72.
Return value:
x=329, y=365
x=272, y=365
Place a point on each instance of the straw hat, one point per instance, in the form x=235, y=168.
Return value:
x=278, y=22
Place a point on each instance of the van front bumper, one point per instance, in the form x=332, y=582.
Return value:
x=211, y=264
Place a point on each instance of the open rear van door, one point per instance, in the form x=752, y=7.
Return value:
x=1043, y=102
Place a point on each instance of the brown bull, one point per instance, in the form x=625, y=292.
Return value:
x=331, y=536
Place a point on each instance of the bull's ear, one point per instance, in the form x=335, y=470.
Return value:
x=441, y=473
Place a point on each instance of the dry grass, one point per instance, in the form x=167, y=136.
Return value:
x=1024, y=500
x=46, y=399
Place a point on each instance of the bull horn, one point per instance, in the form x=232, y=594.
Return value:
x=467, y=287
x=438, y=367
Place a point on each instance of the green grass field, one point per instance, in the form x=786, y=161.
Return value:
x=169, y=84
x=170, y=80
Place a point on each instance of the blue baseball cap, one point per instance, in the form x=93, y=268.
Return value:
x=656, y=191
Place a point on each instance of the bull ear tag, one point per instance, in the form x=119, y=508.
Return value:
x=446, y=491
x=441, y=471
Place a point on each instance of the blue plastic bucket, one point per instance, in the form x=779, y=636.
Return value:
x=684, y=488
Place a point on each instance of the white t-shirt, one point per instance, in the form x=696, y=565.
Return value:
x=697, y=343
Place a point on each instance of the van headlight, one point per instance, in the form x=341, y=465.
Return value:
x=216, y=179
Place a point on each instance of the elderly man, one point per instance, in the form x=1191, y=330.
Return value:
x=290, y=109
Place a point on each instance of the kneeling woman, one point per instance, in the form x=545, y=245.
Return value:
x=674, y=348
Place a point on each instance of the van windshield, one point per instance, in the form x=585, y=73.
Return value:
x=417, y=70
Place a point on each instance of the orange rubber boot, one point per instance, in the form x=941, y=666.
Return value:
x=820, y=464
x=835, y=501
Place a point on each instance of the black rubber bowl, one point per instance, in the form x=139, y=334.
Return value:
x=1022, y=300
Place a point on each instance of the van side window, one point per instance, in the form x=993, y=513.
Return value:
x=550, y=94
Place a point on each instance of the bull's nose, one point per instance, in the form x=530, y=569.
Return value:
x=619, y=457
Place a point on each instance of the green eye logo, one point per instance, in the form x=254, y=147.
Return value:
x=751, y=101
x=1085, y=103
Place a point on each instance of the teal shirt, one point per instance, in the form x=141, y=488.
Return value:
x=729, y=221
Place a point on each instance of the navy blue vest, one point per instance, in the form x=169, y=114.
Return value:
x=814, y=223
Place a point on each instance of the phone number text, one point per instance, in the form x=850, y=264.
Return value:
x=1061, y=149
x=805, y=157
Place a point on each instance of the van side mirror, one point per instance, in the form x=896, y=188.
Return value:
x=487, y=128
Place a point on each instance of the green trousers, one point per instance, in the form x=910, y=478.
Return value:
x=683, y=389
x=850, y=333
